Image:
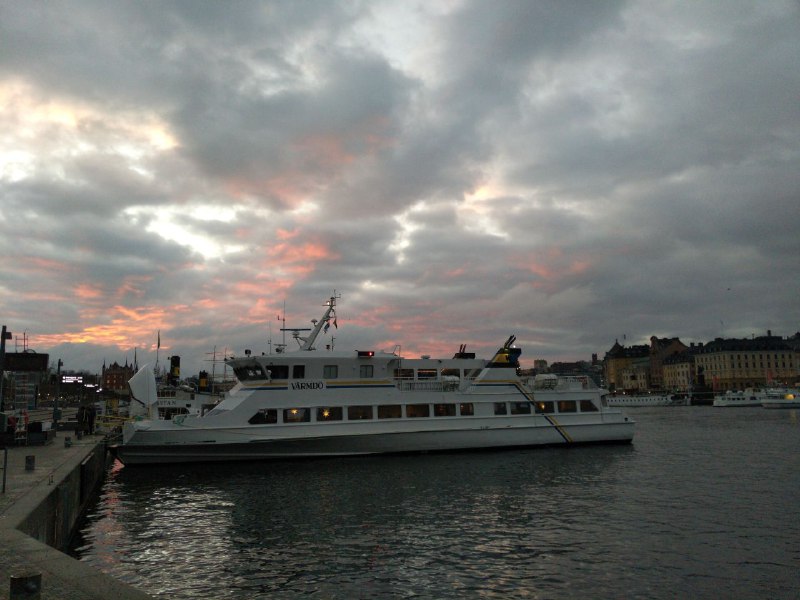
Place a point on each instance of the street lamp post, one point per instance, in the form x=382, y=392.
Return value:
x=5, y=336
x=56, y=411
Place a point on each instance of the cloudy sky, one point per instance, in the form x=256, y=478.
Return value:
x=459, y=171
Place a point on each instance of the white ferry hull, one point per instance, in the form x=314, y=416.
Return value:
x=361, y=402
x=537, y=432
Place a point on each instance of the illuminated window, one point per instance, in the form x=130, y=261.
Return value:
x=418, y=410
x=390, y=411
x=296, y=415
x=444, y=410
x=357, y=413
x=329, y=413
x=567, y=406
x=544, y=408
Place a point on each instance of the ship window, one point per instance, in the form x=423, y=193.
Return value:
x=500, y=408
x=365, y=371
x=265, y=415
x=444, y=410
x=390, y=411
x=520, y=408
x=544, y=408
x=278, y=371
x=329, y=413
x=296, y=415
x=404, y=373
x=451, y=373
x=249, y=372
x=466, y=409
x=330, y=372
x=588, y=406
x=357, y=413
x=418, y=410
x=298, y=371
x=567, y=406
x=426, y=373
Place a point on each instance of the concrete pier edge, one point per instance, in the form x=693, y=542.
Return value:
x=41, y=509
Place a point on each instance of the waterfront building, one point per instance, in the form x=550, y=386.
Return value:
x=661, y=348
x=115, y=377
x=620, y=358
x=736, y=364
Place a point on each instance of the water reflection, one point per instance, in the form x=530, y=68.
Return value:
x=674, y=514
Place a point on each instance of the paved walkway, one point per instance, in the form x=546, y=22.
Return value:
x=63, y=578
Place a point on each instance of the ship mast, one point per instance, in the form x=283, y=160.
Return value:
x=308, y=342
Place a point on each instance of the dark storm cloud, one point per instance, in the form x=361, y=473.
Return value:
x=575, y=172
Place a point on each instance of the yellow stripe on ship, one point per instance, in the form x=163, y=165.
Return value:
x=551, y=420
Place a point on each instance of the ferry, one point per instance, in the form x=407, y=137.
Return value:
x=781, y=398
x=630, y=400
x=310, y=403
x=747, y=397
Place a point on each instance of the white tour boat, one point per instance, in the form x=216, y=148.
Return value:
x=630, y=400
x=781, y=398
x=333, y=403
x=747, y=397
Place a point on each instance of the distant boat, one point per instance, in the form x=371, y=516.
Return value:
x=632, y=400
x=781, y=398
x=313, y=403
x=747, y=397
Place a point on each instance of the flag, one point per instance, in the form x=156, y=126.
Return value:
x=159, y=340
x=327, y=326
x=334, y=323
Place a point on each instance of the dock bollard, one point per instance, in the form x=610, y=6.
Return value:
x=67, y=442
x=30, y=462
x=26, y=586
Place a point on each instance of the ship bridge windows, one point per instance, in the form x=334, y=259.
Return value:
x=426, y=373
x=264, y=416
x=330, y=372
x=278, y=371
x=358, y=413
x=329, y=413
x=249, y=372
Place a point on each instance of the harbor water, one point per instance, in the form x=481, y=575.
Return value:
x=705, y=504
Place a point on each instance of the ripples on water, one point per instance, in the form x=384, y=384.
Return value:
x=703, y=504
